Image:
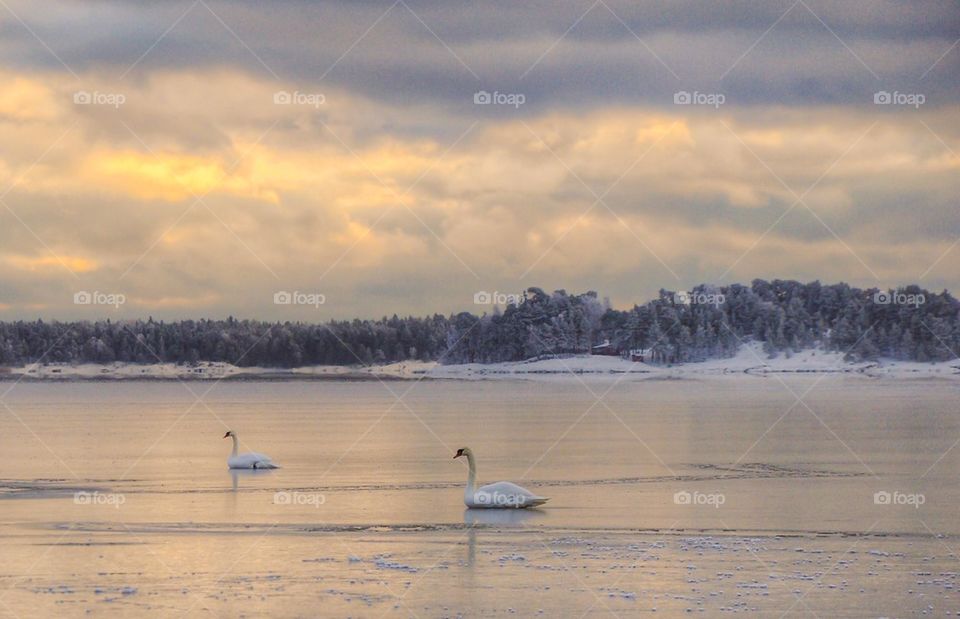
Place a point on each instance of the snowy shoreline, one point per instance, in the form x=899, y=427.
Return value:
x=749, y=362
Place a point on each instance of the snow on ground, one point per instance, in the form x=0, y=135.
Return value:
x=749, y=361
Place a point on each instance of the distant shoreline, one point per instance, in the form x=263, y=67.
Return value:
x=247, y=377
x=749, y=362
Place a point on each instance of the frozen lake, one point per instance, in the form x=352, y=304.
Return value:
x=713, y=496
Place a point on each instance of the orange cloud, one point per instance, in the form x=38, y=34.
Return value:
x=74, y=263
x=167, y=177
x=27, y=99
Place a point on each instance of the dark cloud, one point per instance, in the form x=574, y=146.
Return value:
x=513, y=47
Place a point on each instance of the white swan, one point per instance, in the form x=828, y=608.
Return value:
x=503, y=494
x=251, y=460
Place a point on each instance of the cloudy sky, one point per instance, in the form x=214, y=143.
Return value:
x=197, y=157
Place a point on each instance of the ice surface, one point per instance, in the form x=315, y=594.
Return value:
x=799, y=531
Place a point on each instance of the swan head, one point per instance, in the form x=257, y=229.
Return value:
x=463, y=451
x=228, y=434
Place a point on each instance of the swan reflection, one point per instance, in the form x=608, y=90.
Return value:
x=501, y=517
x=496, y=518
x=236, y=474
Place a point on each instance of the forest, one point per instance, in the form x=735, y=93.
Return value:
x=707, y=322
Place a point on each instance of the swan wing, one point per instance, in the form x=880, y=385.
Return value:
x=251, y=460
x=505, y=494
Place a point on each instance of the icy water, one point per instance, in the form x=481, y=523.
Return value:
x=713, y=497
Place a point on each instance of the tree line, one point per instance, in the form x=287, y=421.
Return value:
x=707, y=322
x=712, y=322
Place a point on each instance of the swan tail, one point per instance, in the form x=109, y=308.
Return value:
x=537, y=501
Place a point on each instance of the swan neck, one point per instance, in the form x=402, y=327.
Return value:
x=235, y=443
x=472, y=476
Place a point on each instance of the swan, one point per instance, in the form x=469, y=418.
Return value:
x=251, y=460
x=502, y=494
